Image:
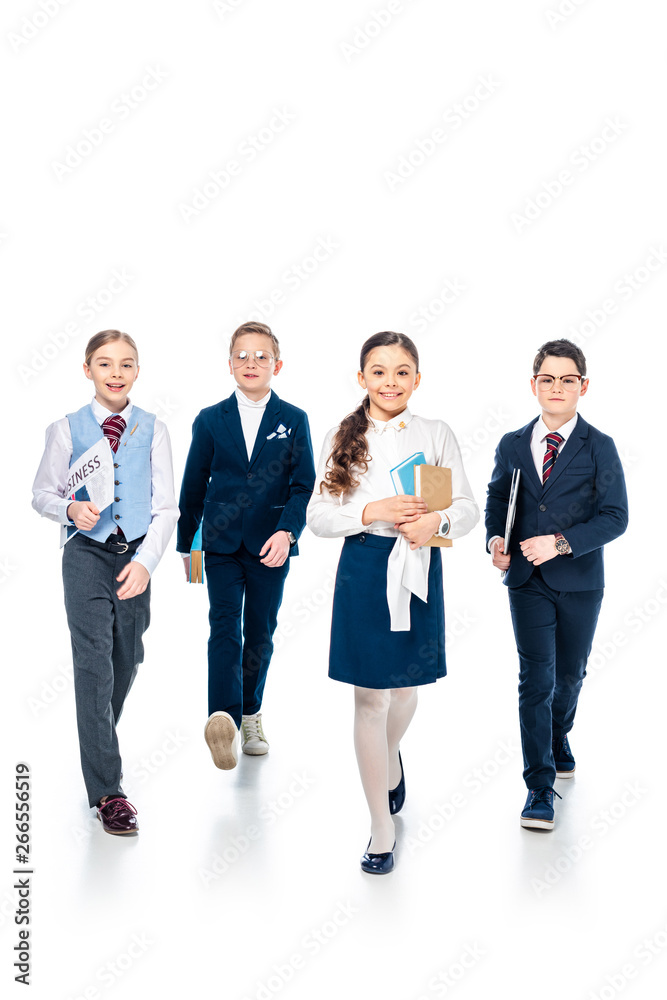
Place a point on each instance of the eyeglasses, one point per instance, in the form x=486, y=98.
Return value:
x=569, y=382
x=263, y=358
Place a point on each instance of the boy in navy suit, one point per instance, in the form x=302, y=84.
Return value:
x=249, y=475
x=571, y=502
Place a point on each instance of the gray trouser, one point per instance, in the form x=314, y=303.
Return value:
x=107, y=649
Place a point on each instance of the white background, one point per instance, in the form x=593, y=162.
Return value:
x=553, y=915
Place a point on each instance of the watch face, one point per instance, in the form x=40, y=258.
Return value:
x=562, y=546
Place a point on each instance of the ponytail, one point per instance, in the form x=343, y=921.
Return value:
x=349, y=452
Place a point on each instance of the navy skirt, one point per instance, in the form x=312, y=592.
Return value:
x=364, y=651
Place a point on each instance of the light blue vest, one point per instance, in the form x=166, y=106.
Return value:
x=131, y=507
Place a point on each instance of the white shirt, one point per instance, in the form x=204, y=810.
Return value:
x=49, y=490
x=389, y=444
x=251, y=412
x=538, y=440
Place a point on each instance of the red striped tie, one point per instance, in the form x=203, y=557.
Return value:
x=113, y=428
x=550, y=455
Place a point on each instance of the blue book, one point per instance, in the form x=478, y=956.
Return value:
x=403, y=476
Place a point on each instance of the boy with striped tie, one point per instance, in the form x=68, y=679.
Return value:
x=571, y=502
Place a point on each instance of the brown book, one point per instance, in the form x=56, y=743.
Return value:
x=196, y=567
x=434, y=484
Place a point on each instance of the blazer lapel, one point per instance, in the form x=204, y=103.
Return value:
x=568, y=451
x=269, y=421
x=232, y=421
x=525, y=457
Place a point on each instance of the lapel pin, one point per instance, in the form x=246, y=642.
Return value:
x=130, y=434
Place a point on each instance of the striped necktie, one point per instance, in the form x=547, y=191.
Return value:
x=550, y=455
x=113, y=428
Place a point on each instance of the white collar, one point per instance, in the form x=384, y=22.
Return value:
x=541, y=429
x=397, y=423
x=243, y=400
x=101, y=413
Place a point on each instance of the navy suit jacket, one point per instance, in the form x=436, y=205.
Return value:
x=584, y=498
x=240, y=499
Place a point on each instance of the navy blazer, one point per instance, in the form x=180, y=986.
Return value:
x=584, y=498
x=246, y=500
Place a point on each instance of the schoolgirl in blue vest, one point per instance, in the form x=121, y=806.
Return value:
x=388, y=623
x=109, y=556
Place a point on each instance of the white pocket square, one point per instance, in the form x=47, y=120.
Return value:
x=280, y=432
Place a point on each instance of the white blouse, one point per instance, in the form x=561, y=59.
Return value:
x=389, y=444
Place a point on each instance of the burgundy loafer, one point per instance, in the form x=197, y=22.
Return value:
x=118, y=816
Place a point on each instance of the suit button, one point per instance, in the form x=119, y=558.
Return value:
x=115, y=465
x=116, y=482
x=117, y=516
x=250, y=475
x=543, y=507
x=362, y=538
x=117, y=499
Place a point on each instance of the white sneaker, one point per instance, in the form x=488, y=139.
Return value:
x=254, y=740
x=222, y=736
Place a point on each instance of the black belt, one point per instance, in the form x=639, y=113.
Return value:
x=116, y=543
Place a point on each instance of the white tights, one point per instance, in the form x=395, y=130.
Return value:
x=381, y=717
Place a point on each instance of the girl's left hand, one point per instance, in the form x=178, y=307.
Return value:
x=418, y=532
x=136, y=579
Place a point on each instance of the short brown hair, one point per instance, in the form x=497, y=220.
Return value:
x=107, y=337
x=560, y=349
x=253, y=327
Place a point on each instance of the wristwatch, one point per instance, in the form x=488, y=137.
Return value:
x=445, y=524
x=562, y=545
x=292, y=537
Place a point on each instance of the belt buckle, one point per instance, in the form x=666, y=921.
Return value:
x=124, y=548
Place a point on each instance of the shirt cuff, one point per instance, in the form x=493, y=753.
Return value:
x=354, y=511
x=146, y=560
x=62, y=511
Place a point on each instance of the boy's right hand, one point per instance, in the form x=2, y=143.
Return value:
x=396, y=510
x=186, y=563
x=84, y=513
x=500, y=560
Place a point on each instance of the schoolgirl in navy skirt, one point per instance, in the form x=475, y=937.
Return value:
x=388, y=621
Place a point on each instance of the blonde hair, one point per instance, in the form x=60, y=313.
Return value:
x=107, y=337
x=253, y=327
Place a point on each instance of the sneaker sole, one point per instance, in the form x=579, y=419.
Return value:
x=537, y=824
x=254, y=752
x=220, y=733
x=566, y=774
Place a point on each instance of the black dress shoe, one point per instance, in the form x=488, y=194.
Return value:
x=378, y=864
x=397, y=795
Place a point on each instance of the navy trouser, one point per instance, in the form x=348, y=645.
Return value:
x=554, y=632
x=107, y=649
x=244, y=598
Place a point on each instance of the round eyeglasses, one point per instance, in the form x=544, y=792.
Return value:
x=570, y=383
x=263, y=358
